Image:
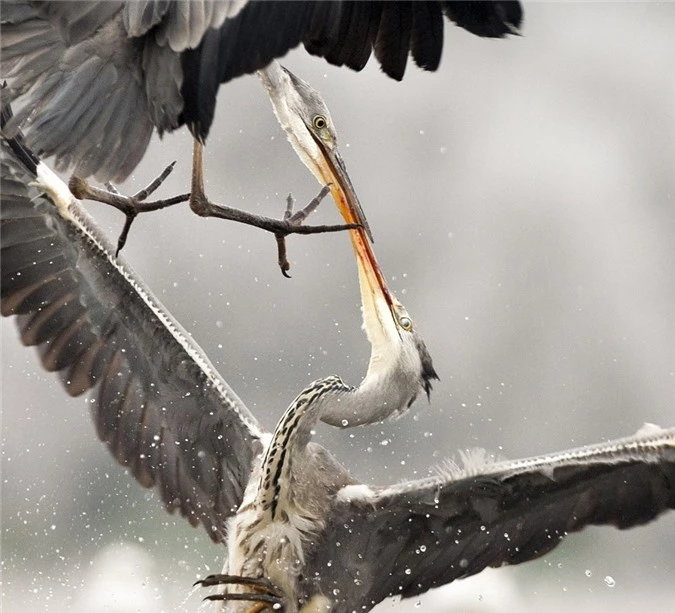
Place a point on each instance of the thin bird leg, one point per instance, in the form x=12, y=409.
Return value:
x=290, y=224
x=295, y=218
x=130, y=206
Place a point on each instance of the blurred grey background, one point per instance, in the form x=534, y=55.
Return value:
x=523, y=206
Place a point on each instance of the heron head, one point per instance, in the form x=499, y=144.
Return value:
x=306, y=120
x=400, y=363
x=400, y=367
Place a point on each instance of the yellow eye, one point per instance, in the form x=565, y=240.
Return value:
x=320, y=122
x=405, y=323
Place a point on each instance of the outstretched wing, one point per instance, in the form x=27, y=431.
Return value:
x=345, y=33
x=159, y=404
x=99, y=75
x=410, y=538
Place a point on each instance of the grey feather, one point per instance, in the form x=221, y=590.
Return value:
x=94, y=321
x=77, y=20
x=174, y=55
x=165, y=413
x=409, y=538
x=182, y=24
x=75, y=85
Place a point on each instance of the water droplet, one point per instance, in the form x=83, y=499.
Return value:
x=588, y=573
x=345, y=422
x=609, y=581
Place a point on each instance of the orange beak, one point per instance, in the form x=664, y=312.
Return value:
x=334, y=172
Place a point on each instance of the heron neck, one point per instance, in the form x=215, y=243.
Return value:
x=289, y=440
x=380, y=395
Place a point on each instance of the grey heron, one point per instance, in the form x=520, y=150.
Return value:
x=304, y=532
x=97, y=78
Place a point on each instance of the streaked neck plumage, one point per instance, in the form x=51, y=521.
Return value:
x=281, y=508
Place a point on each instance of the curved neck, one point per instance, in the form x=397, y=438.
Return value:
x=290, y=439
x=381, y=394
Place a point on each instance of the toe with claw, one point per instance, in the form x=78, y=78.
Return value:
x=131, y=206
x=294, y=221
x=263, y=593
x=290, y=224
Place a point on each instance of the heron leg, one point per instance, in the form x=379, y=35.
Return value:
x=264, y=593
x=131, y=206
x=290, y=224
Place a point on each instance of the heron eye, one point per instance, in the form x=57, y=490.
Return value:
x=405, y=323
x=320, y=122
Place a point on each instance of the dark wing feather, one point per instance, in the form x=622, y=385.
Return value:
x=426, y=43
x=487, y=18
x=410, y=538
x=392, y=44
x=346, y=37
x=100, y=75
x=243, y=44
x=159, y=405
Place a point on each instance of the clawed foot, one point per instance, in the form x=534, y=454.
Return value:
x=291, y=224
x=131, y=206
x=294, y=221
x=263, y=592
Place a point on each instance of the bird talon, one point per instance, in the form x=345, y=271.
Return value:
x=130, y=206
x=290, y=202
x=265, y=586
x=296, y=219
x=111, y=188
x=263, y=602
x=147, y=191
x=265, y=594
x=292, y=221
x=122, y=239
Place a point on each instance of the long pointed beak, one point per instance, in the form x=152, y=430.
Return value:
x=343, y=191
x=333, y=170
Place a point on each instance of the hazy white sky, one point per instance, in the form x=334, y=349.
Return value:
x=522, y=201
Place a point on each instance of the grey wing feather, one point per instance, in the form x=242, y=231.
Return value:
x=99, y=79
x=73, y=83
x=159, y=405
x=410, y=538
x=74, y=20
x=182, y=23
